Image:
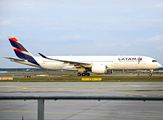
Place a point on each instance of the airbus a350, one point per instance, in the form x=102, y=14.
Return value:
x=83, y=64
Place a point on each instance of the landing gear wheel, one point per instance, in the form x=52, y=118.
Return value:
x=83, y=74
x=79, y=74
x=150, y=74
x=88, y=74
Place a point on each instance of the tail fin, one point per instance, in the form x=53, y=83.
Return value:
x=21, y=51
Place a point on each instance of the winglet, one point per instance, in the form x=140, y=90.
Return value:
x=42, y=55
x=47, y=57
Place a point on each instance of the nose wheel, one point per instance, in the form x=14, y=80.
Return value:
x=150, y=74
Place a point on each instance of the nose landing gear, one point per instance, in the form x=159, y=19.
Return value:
x=150, y=74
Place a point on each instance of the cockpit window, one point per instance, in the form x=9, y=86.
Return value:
x=154, y=61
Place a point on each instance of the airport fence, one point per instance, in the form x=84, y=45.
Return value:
x=41, y=99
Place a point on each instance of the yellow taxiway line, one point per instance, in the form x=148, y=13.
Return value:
x=98, y=114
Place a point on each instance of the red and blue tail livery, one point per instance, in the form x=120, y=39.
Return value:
x=21, y=52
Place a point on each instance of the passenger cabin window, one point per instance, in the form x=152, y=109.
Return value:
x=154, y=61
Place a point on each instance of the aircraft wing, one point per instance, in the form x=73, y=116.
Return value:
x=75, y=63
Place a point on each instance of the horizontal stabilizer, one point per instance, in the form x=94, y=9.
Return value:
x=14, y=59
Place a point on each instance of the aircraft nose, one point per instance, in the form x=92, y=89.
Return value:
x=159, y=65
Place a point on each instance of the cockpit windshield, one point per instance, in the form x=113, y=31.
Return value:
x=154, y=60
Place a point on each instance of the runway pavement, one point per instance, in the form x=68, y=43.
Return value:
x=82, y=109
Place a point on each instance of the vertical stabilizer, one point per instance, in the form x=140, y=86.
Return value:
x=21, y=51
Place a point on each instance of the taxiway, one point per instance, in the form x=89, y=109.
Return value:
x=82, y=109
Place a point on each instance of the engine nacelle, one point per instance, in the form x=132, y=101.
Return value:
x=99, y=69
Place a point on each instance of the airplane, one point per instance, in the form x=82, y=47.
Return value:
x=83, y=64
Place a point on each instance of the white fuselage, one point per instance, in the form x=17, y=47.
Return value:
x=112, y=62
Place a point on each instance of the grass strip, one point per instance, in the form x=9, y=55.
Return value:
x=79, y=79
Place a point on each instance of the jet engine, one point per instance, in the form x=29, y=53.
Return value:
x=100, y=69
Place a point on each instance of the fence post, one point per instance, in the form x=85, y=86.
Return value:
x=40, y=109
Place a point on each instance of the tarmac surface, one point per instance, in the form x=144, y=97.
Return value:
x=82, y=109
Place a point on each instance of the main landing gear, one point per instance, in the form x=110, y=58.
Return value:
x=83, y=74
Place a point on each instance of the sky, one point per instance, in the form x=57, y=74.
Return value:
x=82, y=28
